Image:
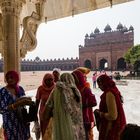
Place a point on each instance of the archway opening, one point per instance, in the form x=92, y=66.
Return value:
x=87, y=64
x=103, y=64
x=121, y=64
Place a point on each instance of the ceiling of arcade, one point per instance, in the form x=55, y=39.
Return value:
x=55, y=9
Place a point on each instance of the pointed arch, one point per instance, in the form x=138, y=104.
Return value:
x=87, y=64
x=121, y=64
x=103, y=64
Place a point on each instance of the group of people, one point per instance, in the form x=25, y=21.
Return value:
x=64, y=104
x=95, y=75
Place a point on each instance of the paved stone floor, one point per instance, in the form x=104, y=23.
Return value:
x=130, y=92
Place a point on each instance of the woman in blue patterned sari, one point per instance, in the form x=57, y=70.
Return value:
x=14, y=129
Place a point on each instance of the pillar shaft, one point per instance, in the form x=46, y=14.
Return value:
x=10, y=13
x=11, y=43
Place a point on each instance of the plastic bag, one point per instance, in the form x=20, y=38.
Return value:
x=36, y=129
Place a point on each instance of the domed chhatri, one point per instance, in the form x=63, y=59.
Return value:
x=92, y=35
x=86, y=36
x=96, y=31
x=131, y=28
x=107, y=28
x=120, y=26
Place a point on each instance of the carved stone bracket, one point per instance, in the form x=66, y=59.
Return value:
x=28, y=40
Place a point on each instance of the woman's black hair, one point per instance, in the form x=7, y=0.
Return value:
x=131, y=132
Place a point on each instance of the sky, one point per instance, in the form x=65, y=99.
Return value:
x=61, y=38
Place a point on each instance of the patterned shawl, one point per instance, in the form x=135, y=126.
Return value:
x=67, y=110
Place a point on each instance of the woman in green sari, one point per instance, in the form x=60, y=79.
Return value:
x=65, y=107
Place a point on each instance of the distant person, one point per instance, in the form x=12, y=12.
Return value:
x=56, y=74
x=94, y=79
x=103, y=72
x=66, y=105
x=13, y=128
x=88, y=101
x=111, y=112
x=43, y=93
x=111, y=75
x=131, y=132
x=117, y=76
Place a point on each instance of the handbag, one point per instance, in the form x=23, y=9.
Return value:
x=25, y=114
x=37, y=130
x=97, y=118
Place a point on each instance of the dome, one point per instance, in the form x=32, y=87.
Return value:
x=107, y=28
x=131, y=28
x=120, y=26
x=86, y=36
x=92, y=35
x=37, y=59
x=124, y=29
x=96, y=31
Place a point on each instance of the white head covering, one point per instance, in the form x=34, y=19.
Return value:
x=57, y=69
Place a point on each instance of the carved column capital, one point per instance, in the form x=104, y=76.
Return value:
x=12, y=7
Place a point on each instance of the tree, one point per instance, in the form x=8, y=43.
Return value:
x=133, y=55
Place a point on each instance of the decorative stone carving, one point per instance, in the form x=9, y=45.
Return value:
x=28, y=40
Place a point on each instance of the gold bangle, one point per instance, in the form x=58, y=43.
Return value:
x=13, y=106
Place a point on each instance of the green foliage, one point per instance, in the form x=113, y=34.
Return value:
x=133, y=54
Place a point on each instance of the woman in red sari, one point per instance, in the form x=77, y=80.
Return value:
x=112, y=117
x=88, y=101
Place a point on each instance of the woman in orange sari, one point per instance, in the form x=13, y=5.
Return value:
x=42, y=95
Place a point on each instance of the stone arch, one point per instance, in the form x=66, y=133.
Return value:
x=121, y=64
x=103, y=64
x=87, y=64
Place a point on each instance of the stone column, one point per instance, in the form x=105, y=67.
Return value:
x=11, y=12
